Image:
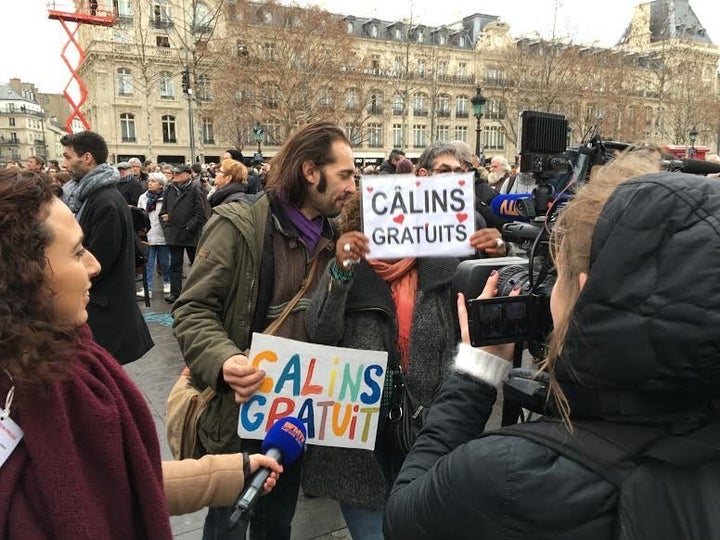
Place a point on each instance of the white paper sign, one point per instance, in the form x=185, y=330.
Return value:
x=10, y=435
x=334, y=391
x=418, y=216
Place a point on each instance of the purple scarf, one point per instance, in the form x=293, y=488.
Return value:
x=310, y=229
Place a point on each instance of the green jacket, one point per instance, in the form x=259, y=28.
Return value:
x=213, y=316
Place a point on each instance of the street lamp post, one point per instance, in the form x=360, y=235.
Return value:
x=258, y=130
x=693, y=137
x=478, y=103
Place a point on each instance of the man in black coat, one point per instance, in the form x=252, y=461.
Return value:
x=183, y=215
x=102, y=212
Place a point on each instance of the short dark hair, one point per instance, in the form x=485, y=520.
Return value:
x=87, y=141
x=311, y=143
x=196, y=168
x=236, y=155
x=396, y=153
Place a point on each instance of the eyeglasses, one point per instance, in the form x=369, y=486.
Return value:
x=445, y=170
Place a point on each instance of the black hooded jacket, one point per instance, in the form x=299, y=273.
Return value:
x=643, y=348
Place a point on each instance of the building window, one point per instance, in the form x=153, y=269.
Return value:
x=272, y=133
x=375, y=136
x=202, y=19
x=648, y=115
x=168, y=129
x=420, y=36
x=442, y=68
x=419, y=135
x=375, y=62
x=325, y=98
x=162, y=41
x=398, y=34
x=462, y=69
x=421, y=68
x=127, y=127
x=493, y=138
x=461, y=133
x=203, y=88
x=352, y=99
x=461, y=107
x=270, y=99
x=443, y=106
x=167, y=88
x=461, y=41
x=397, y=135
x=375, y=102
x=494, y=76
x=269, y=51
x=208, y=132
x=11, y=121
x=373, y=31
x=162, y=16
x=443, y=133
x=353, y=133
x=397, y=104
x=124, y=82
x=495, y=110
x=350, y=28
x=420, y=104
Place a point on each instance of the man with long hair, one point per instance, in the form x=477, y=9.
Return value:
x=251, y=260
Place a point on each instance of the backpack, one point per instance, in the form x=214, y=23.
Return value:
x=668, y=484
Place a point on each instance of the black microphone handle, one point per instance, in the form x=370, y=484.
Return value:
x=252, y=490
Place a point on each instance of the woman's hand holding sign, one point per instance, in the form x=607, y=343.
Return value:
x=350, y=248
x=489, y=241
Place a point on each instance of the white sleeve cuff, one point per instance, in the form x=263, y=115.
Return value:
x=481, y=365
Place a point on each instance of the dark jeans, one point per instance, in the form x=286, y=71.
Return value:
x=177, y=254
x=273, y=513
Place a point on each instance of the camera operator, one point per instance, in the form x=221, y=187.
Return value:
x=635, y=348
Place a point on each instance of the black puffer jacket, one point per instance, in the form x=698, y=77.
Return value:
x=646, y=333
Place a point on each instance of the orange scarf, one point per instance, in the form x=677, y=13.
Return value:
x=402, y=277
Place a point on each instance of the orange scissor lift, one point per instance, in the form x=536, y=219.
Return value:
x=71, y=15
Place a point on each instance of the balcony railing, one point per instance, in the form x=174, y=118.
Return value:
x=397, y=111
x=129, y=139
x=208, y=141
x=169, y=140
x=420, y=112
x=124, y=20
x=443, y=113
x=375, y=109
x=462, y=114
x=161, y=24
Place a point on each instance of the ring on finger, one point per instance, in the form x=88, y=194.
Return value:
x=347, y=248
x=499, y=242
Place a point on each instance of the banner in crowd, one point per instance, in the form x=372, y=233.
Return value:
x=334, y=391
x=418, y=216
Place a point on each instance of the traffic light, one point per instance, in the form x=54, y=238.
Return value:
x=186, y=81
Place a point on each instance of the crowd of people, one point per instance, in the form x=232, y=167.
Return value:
x=633, y=346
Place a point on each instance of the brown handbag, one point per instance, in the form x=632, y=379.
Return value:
x=186, y=403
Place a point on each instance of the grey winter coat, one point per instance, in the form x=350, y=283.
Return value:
x=361, y=315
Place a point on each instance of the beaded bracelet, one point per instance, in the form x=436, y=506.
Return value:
x=340, y=275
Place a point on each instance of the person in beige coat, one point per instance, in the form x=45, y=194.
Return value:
x=81, y=457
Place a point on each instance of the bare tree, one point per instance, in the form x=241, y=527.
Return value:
x=290, y=66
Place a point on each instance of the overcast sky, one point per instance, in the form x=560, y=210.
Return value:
x=31, y=43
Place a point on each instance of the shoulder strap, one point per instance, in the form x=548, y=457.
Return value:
x=273, y=326
x=608, y=449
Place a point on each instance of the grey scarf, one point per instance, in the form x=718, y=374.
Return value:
x=101, y=176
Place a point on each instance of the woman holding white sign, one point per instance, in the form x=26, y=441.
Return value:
x=400, y=306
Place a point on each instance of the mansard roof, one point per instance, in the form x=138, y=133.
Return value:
x=673, y=19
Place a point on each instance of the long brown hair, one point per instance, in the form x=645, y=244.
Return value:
x=570, y=244
x=34, y=347
x=311, y=143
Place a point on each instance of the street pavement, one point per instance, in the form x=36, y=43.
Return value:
x=156, y=372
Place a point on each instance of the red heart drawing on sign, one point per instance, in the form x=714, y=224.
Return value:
x=427, y=225
x=417, y=183
x=461, y=216
x=370, y=189
x=399, y=219
x=461, y=182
